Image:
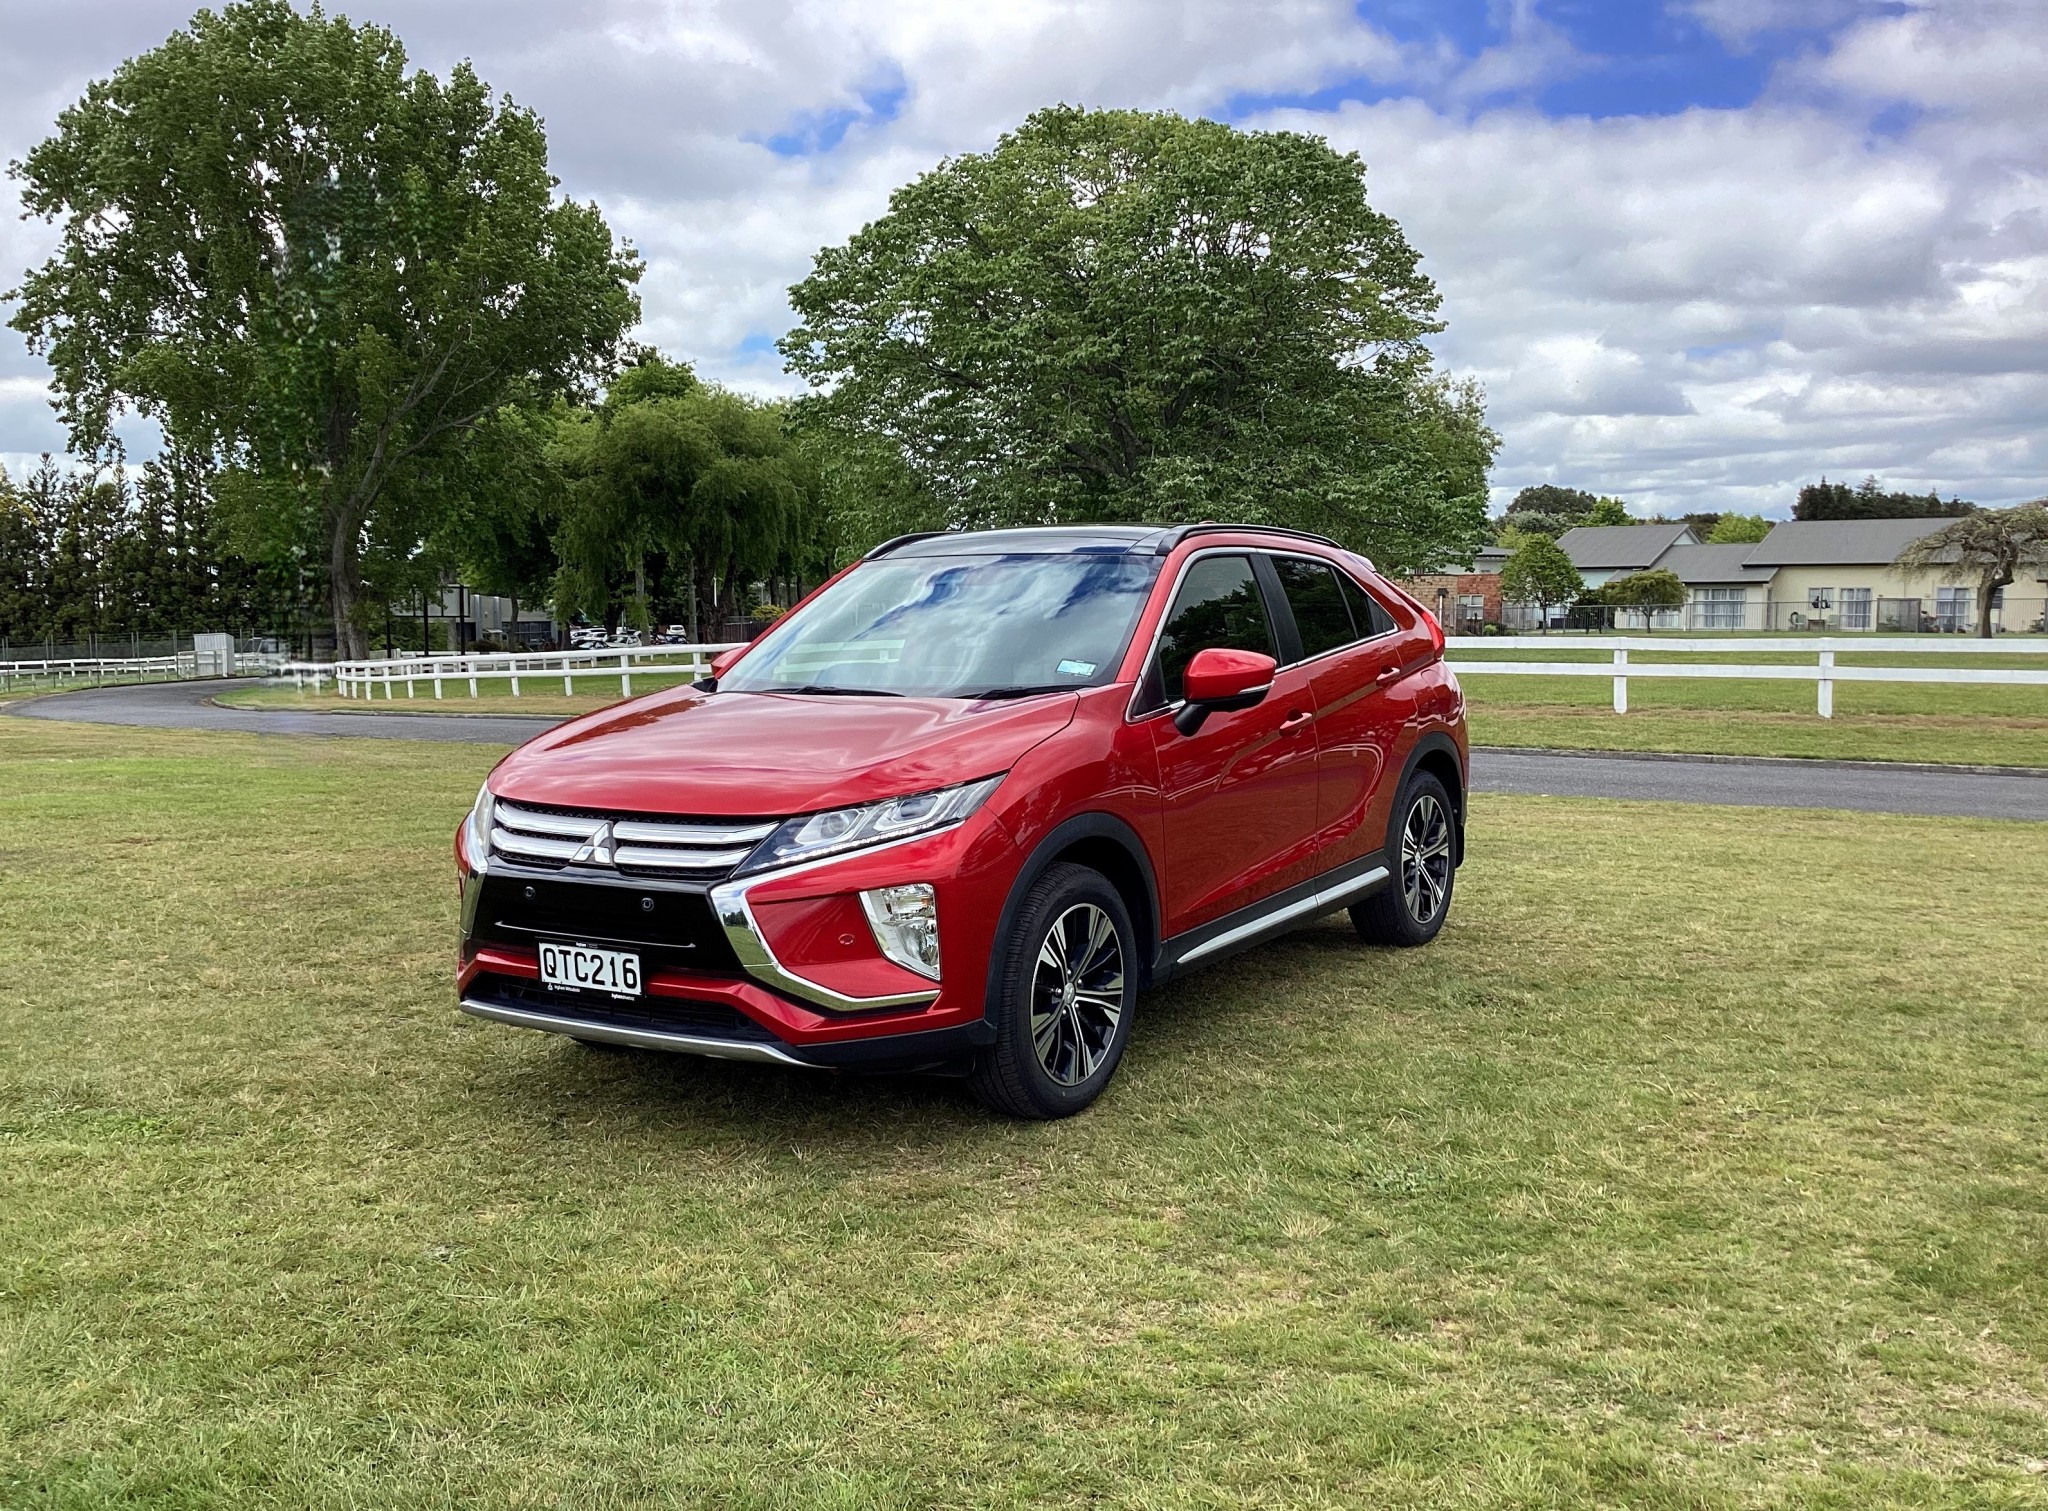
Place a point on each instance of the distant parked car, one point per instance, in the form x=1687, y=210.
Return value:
x=960, y=807
x=587, y=637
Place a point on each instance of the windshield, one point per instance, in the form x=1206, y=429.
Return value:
x=957, y=627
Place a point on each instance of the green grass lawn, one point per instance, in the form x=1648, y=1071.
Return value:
x=1700, y=1164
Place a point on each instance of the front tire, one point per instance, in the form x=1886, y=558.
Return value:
x=1063, y=1000
x=1422, y=855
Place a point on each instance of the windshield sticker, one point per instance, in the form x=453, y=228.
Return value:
x=1077, y=668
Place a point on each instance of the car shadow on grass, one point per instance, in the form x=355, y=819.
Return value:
x=609, y=1089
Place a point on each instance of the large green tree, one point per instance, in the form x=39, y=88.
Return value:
x=668, y=467
x=1869, y=499
x=313, y=265
x=1120, y=315
x=1540, y=573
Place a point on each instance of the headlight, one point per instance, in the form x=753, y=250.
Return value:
x=906, y=924
x=842, y=829
x=481, y=819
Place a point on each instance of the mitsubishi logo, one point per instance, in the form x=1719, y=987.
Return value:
x=597, y=850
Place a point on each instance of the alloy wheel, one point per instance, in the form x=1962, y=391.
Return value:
x=1426, y=859
x=1077, y=993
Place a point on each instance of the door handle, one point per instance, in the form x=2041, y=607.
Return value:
x=1294, y=720
x=1388, y=674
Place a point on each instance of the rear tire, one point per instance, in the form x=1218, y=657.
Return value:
x=1422, y=855
x=1064, y=993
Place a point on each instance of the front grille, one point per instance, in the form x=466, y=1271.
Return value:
x=675, y=1015
x=555, y=839
x=669, y=926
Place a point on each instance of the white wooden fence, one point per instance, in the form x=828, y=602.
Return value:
x=370, y=679
x=97, y=670
x=1825, y=672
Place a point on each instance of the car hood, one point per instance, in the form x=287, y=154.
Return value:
x=752, y=755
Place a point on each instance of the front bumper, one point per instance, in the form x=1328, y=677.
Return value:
x=751, y=969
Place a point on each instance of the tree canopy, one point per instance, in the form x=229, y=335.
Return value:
x=1540, y=573
x=1988, y=548
x=314, y=268
x=1548, y=509
x=1738, y=530
x=1120, y=315
x=673, y=467
x=1645, y=593
x=1870, y=500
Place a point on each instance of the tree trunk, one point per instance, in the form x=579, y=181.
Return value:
x=349, y=643
x=1989, y=592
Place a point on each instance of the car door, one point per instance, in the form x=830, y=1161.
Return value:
x=1238, y=797
x=1352, y=657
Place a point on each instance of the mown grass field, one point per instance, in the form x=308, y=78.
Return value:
x=2005, y=726
x=1699, y=1164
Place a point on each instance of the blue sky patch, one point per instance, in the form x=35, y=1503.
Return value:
x=812, y=133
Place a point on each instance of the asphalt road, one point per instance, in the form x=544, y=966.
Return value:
x=1861, y=786
x=185, y=705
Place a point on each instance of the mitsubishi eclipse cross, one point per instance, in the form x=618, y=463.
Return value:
x=958, y=807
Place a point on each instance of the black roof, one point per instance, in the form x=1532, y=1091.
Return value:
x=1067, y=540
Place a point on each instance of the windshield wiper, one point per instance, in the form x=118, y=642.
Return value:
x=821, y=690
x=1021, y=691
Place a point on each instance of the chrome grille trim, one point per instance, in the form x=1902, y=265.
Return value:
x=628, y=845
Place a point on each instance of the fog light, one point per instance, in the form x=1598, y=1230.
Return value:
x=906, y=924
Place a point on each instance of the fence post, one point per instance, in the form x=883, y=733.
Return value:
x=1827, y=684
x=472, y=676
x=1621, y=682
x=514, y=664
x=568, y=681
x=437, y=679
x=625, y=674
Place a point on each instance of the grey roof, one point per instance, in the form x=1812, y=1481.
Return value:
x=1629, y=547
x=1485, y=559
x=1839, y=542
x=1714, y=564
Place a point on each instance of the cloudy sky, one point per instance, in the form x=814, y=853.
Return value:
x=1697, y=251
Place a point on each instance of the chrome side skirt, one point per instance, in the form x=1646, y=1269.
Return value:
x=637, y=1038
x=1326, y=899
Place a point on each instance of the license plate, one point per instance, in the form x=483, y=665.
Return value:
x=572, y=968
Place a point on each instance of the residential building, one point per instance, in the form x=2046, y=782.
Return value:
x=1605, y=552
x=1463, y=595
x=1837, y=574
x=1724, y=590
x=1828, y=575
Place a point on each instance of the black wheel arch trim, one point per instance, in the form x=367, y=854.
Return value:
x=1063, y=837
x=1434, y=742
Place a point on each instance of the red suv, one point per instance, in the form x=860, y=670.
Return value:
x=957, y=807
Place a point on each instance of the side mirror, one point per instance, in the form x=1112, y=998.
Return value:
x=720, y=665
x=1220, y=679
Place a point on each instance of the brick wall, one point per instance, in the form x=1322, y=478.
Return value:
x=1439, y=592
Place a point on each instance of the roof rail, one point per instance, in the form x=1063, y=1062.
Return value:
x=1175, y=536
x=902, y=540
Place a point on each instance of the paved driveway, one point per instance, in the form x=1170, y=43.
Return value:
x=1864, y=786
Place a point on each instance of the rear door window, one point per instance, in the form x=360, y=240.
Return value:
x=1370, y=614
x=1321, y=616
x=1218, y=604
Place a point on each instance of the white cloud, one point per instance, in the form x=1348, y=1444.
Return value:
x=1696, y=310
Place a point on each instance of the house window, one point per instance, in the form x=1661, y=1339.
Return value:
x=1855, y=609
x=1821, y=599
x=1471, y=608
x=1720, y=608
x=1952, y=610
